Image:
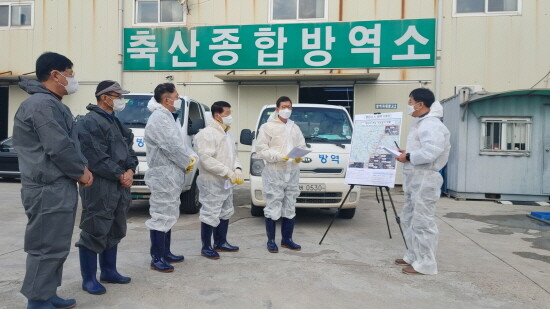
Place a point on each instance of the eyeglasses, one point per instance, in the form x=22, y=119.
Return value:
x=114, y=96
x=70, y=76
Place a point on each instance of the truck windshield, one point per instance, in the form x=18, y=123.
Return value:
x=322, y=125
x=135, y=114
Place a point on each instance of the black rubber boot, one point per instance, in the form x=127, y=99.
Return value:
x=206, y=237
x=220, y=238
x=88, y=269
x=40, y=304
x=287, y=228
x=107, y=263
x=270, y=231
x=158, y=247
x=170, y=257
x=61, y=303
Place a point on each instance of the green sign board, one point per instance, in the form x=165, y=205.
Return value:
x=361, y=44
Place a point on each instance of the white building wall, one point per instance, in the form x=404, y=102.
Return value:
x=496, y=52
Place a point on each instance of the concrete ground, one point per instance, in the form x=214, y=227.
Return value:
x=490, y=256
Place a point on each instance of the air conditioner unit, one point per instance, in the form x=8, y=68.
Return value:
x=473, y=88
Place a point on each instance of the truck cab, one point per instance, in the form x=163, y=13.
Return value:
x=327, y=130
x=192, y=117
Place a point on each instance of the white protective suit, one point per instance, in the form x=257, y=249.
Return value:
x=279, y=177
x=429, y=146
x=218, y=158
x=167, y=158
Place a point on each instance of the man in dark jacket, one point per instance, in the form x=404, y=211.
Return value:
x=51, y=163
x=107, y=145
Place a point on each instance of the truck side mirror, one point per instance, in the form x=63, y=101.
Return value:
x=194, y=126
x=246, y=137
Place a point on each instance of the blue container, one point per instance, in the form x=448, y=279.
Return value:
x=541, y=215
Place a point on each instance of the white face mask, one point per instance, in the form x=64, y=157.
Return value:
x=227, y=120
x=285, y=113
x=72, y=85
x=118, y=105
x=410, y=109
x=177, y=104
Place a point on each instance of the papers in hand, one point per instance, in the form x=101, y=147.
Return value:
x=297, y=153
x=393, y=152
x=228, y=184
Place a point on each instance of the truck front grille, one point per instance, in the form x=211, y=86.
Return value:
x=322, y=171
x=319, y=198
x=139, y=180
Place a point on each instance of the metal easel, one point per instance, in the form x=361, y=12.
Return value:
x=378, y=188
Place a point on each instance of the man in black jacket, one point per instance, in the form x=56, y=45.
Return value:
x=107, y=145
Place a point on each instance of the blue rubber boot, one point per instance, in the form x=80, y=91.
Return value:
x=158, y=247
x=220, y=238
x=206, y=237
x=287, y=228
x=88, y=269
x=170, y=257
x=270, y=225
x=36, y=304
x=107, y=263
x=61, y=303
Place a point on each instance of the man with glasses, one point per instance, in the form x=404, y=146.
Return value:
x=51, y=164
x=107, y=145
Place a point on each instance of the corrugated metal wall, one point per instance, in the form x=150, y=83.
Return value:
x=473, y=175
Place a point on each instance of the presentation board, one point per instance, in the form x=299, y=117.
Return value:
x=372, y=161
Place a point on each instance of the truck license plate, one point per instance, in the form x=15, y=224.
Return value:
x=313, y=187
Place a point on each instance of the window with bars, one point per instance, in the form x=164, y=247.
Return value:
x=505, y=136
x=16, y=14
x=298, y=10
x=159, y=12
x=487, y=7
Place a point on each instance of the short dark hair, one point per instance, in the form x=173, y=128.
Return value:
x=423, y=95
x=162, y=89
x=49, y=61
x=217, y=107
x=283, y=99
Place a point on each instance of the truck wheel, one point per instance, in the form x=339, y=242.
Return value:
x=347, y=213
x=190, y=200
x=256, y=211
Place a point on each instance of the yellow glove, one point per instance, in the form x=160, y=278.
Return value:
x=297, y=160
x=189, y=167
x=284, y=158
x=233, y=178
x=239, y=175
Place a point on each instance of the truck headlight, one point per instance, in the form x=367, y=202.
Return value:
x=258, y=195
x=256, y=165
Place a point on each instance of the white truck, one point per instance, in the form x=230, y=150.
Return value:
x=192, y=117
x=327, y=130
